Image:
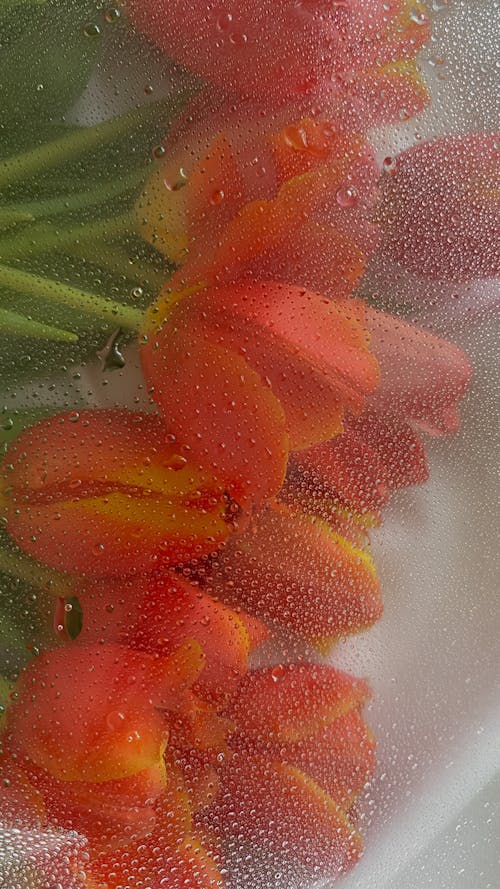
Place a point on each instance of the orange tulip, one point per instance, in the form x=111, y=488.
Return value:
x=120, y=695
x=157, y=863
x=157, y=614
x=294, y=571
x=357, y=471
x=293, y=778
x=311, y=355
x=106, y=492
x=241, y=193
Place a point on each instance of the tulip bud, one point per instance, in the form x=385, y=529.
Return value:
x=106, y=492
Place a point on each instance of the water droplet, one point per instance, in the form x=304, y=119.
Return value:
x=418, y=16
x=347, y=196
x=224, y=21
x=112, y=14
x=278, y=672
x=159, y=151
x=237, y=39
x=92, y=30
x=296, y=138
x=177, y=462
x=111, y=356
x=115, y=720
x=217, y=197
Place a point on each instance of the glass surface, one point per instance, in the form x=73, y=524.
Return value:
x=249, y=427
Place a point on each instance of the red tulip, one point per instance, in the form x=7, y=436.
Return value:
x=156, y=863
x=22, y=805
x=114, y=743
x=290, y=703
x=220, y=408
x=94, y=713
x=106, y=492
x=284, y=50
x=157, y=614
x=440, y=208
x=241, y=193
x=111, y=813
x=356, y=471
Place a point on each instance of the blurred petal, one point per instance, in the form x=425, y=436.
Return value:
x=218, y=407
x=286, y=814
x=441, y=208
x=423, y=377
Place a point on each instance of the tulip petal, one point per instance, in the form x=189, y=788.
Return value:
x=423, y=377
x=286, y=814
x=157, y=862
x=91, y=714
x=315, y=352
x=110, y=813
x=220, y=408
x=441, y=208
x=293, y=702
x=294, y=571
x=103, y=492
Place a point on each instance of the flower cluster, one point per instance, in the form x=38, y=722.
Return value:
x=287, y=409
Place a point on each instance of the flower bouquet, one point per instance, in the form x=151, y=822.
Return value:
x=182, y=564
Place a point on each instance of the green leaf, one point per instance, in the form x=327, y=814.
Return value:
x=45, y=61
x=20, y=325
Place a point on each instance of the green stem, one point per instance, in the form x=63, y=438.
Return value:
x=117, y=261
x=16, y=564
x=18, y=325
x=81, y=300
x=10, y=216
x=44, y=237
x=77, y=142
x=71, y=203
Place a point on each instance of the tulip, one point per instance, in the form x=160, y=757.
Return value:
x=119, y=694
x=282, y=51
x=236, y=194
x=294, y=776
x=128, y=762
x=308, y=354
x=22, y=805
x=221, y=409
x=106, y=492
x=357, y=471
x=294, y=571
x=423, y=379
x=107, y=813
x=157, y=614
x=440, y=209
x=157, y=862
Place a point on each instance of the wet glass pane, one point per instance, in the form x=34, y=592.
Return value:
x=249, y=438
